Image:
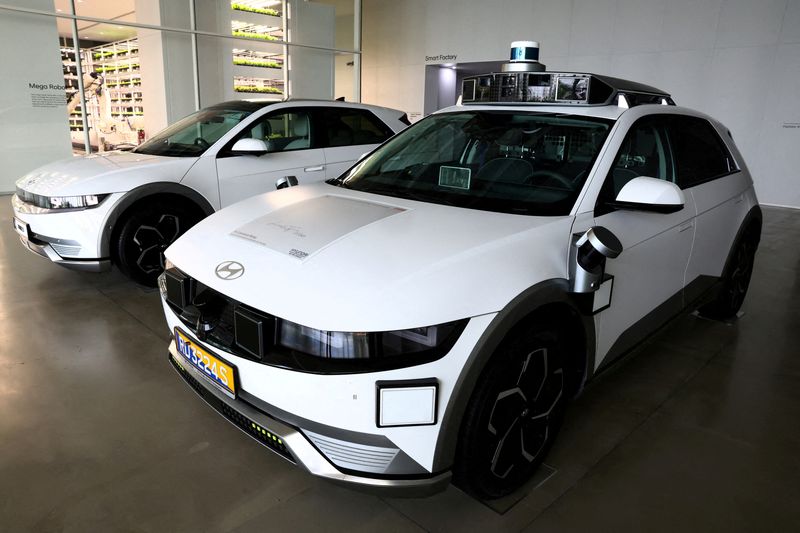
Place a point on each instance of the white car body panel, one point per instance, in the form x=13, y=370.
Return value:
x=650, y=270
x=104, y=173
x=356, y=284
x=341, y=158
x=244, y=176
x=219, y=181
x=84, y=231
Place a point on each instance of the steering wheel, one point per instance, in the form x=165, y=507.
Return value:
x=560, y=178
x=202, y=143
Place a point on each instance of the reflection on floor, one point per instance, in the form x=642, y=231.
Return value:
x=698, y=432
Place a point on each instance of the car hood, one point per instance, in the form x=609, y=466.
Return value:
x=103, y=173
x=341, y=260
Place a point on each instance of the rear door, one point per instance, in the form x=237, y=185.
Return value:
x=350, y=133
x=707, y=171
x=292, y=136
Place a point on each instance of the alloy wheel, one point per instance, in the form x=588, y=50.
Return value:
x=152, y=240
x=521, y=417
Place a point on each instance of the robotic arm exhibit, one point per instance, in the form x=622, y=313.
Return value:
x=92, y=87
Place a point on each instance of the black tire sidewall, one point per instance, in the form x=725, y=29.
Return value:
x=147, y=214
x=724, y=306
x=471, y=469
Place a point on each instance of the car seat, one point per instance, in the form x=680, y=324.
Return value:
x=302, y=139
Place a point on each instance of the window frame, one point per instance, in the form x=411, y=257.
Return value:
x=323, y=120
x=722, y=144
x=314, y=121
x=603, y=205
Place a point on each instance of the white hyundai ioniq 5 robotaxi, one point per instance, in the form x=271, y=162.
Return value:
x=427, y=315
x=127, y=207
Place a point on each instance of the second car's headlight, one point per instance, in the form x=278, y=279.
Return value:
x=75, y=202
x=60, y=202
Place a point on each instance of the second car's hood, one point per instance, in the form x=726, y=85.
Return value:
x=341, y=260
x=103, y=173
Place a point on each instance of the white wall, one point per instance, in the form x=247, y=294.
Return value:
x=32, y=133
x=738, y=60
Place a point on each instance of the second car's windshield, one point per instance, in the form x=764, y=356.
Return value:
x=512, y=162
x=193, y=135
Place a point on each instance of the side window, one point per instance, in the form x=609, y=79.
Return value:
x=348, y=127
x=283, y=131
x=700, y=154
x=644, y=152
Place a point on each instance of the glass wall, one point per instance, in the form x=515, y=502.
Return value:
x=139, y=65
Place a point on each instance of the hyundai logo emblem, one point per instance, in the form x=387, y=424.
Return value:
x=228, y=270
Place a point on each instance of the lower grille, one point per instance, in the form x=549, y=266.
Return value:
x=353, y=456
x=256, y=431
x=66, y=249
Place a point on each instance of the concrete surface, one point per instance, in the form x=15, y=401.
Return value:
x=698, y=431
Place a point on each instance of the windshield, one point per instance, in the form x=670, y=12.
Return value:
x=510, y=162
x=193, y=135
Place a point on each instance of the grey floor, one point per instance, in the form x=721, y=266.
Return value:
x=699, y=431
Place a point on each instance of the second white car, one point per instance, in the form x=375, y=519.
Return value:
x=125, y=208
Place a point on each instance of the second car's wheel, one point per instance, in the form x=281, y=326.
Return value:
x=735, y=281
x=513, y=415
x=146, y=233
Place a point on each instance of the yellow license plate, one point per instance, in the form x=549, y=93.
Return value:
x=218, y=372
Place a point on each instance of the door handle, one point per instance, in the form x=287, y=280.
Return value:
x=686, y=225
x=314, y=169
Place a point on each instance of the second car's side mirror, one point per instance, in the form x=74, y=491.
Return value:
x=650, y=194
x=249, y=147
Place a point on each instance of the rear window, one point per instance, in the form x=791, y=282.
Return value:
x=700, y=154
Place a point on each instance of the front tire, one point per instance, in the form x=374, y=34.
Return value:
x=513, y=416
x=144, y=235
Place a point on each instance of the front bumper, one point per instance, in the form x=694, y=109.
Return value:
x=70, y=238
x=46, y=250
x=293, y=445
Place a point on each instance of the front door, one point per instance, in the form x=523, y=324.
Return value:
x=649, y=274
x=294, y=150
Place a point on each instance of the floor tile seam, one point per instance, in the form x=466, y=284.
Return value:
x=627, y=435
x=403, y=514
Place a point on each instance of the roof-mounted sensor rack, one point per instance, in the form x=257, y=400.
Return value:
x=524, y=80
x=561, y=88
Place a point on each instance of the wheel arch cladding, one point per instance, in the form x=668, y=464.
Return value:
x=548, y=298
x=751, y=225
x=150, y=191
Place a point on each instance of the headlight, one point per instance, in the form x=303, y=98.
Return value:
x=429, y=341
x=75, y=202
x=61, y=202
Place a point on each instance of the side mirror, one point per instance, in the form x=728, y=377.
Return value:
x=286, y=182
x=650, y=194
x=249, y=147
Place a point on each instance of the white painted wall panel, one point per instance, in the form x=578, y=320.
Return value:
x=33, y=120
x=733, y=59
